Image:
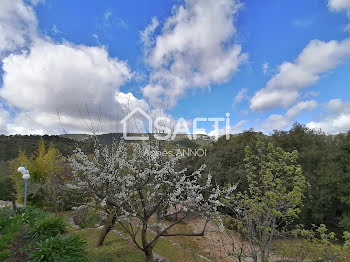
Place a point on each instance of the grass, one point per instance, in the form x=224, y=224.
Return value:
x=114, y=248
x=9, y=228
x=187, y=250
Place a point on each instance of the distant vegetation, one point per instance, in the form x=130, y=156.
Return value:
x=10, y=145
x=299, y=176
x=325, y=162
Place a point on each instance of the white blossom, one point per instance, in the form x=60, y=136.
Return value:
x=138, y=184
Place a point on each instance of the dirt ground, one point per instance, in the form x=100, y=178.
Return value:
x=220, y=245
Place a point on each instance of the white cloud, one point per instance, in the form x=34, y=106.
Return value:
x=235, y=129
x=311, y=94
x=43, y=79
x=300, y=107
x=146, y=35
x=4, y=115
x=335, y=125
x=52, y=75
x=111, y=20
x=35, y=2
x=193, y=50
x=303, y=23
x=107, y=14
x=66, y=77
x=338, y=119
x=265, y=67
x=282, y=89
x=347, y=28
x=242, y=94
x=277, y=121
x=17, y=25
x=340, y=5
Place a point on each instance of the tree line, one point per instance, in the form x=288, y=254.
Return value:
x=294, y=182
x=325, y=163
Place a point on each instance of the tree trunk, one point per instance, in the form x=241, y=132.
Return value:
x=262, y=256
x=13, y=200
x=149, y=255
x=106, y=228
x=55, y=202
x=255, y=257
x=147, y=249
x=55, y=208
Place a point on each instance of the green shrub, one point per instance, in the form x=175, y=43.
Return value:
x=47, y=227
x=31, y=227
x=229, y=223
x=69, y=198
x=85, y=217
x=10, y=226
x=6, y=187
x=345, y=221
x=61, y=248
x=6, y=214
x=31, y=214
x=4, y=254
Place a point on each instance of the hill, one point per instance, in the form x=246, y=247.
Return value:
x=10, y=145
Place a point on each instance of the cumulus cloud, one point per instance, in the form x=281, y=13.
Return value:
x=278, y=121
x=193, y=50
x=340, y=5
x=51, y=74
x=338, y=119
x=318, y=57
x=17, y=25
x=69, y=78
x=52, y=86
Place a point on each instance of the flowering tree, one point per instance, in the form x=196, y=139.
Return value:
x=146, y=190
x=99, y=178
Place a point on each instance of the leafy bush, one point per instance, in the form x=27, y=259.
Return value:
x=61, y=248
x=9, y=226
x=317, y=244
x=72, y=198
x=85, y=217
x=345, y=221
x=31, y=228
x=47, y=227
x=229, y=223
x=6, y=214
x=31, y=214
x=6, y=187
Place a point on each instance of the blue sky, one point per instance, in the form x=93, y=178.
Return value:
x=268, y=63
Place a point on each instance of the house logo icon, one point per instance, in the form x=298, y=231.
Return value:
x=128, y=118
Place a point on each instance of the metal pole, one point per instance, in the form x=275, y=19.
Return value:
x=25, y=192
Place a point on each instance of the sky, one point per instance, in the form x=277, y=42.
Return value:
x=81, y=66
